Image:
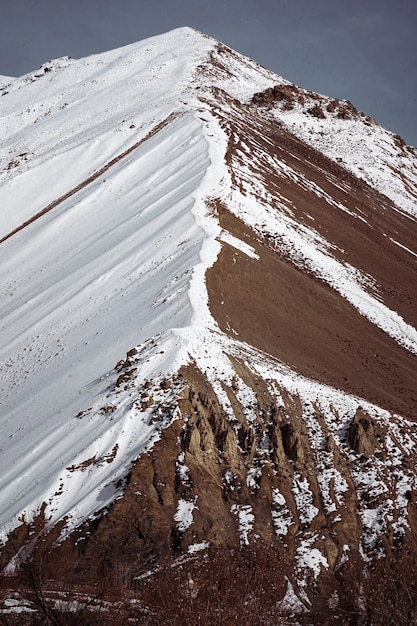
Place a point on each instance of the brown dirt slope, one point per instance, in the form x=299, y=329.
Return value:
x=285, y=310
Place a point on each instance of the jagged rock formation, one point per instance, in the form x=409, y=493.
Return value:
x=361, y=434
x=276, y=421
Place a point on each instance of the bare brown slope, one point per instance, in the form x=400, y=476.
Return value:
x=358, y=222
x=301, y=321
x=286, y=311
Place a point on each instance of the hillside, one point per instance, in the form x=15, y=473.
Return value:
x=208, y=342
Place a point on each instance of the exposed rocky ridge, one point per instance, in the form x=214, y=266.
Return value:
x=313, y=104
x=274, y=471
x=257, y=453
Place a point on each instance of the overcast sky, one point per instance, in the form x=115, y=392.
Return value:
x=363, y=50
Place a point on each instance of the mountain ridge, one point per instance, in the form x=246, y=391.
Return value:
x=191, y=270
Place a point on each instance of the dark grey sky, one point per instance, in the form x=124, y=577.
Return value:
x=363, y=50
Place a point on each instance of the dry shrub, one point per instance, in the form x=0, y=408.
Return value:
x=220, y=586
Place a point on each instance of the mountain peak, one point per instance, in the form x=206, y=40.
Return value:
x=210, y=325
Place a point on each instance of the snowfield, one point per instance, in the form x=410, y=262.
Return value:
x=106, y=269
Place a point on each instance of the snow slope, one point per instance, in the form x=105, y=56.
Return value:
x=108, y=268
x=107, y=169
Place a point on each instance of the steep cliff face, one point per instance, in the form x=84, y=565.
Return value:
x=261, y=426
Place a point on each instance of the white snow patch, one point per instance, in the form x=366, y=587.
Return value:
x=253, y=477
x=240, y=245
x=367, y=150
x=198, y=547
x=303, y=497
x=281, y=515
x=17, y=605
x=184, y=513
x=331, y=482
x=310, y=559
x=403, y=247
x=246, y=520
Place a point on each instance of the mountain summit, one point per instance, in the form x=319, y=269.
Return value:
x=208, y=344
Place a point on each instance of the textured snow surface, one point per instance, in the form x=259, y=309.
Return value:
x=108, y=268
x=6, y=80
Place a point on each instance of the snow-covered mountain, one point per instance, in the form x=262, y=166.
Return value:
x=208, y=320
